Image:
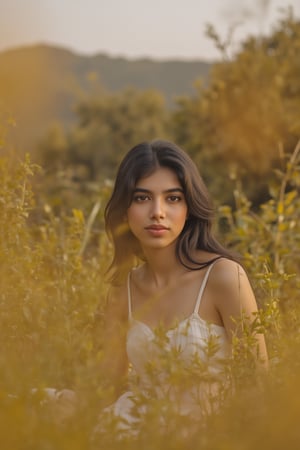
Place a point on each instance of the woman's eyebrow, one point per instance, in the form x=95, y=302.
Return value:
x=166, y=191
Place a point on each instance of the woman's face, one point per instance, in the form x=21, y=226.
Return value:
x=158, y=211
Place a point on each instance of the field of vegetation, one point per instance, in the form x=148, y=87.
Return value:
x=54, y=253
x=52, y=300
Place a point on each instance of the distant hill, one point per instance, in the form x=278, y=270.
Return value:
x=41, y=84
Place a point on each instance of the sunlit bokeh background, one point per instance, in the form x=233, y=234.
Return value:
x=80, y=84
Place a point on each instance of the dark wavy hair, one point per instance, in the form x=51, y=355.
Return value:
x=141, y=161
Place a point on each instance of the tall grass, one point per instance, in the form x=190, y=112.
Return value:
x=52, y=301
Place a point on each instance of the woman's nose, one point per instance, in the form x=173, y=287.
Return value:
x=157, y=211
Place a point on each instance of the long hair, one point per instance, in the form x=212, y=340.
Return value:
x=141, y=161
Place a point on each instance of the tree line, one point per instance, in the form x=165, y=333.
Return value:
x=238, y=127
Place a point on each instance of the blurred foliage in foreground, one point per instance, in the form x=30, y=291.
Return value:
x=53, y=255
x=52, y=300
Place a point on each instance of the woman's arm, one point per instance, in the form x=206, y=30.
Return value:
x=113, y=339
x=236, y=304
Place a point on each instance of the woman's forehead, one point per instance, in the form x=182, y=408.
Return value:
x=163, y=176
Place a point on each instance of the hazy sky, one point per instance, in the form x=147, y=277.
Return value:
x=134, y=28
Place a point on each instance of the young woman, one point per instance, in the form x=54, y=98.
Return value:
x=175, y=288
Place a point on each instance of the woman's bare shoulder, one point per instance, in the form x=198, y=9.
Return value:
x=227, y=272
x=222, y=264
x=230, y=287
x=116, y=292
x=117, y=300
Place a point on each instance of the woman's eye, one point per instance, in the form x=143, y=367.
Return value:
x=174, y=198
x=141, y=198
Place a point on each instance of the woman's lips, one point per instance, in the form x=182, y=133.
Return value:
x=156, y=227
x=157, y=230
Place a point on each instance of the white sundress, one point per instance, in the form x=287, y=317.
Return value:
x=193, y=339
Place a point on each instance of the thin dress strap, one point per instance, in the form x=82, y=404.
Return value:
x=129, y=296
x=202, y=287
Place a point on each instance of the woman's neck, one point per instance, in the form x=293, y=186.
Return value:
x=162, y=266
